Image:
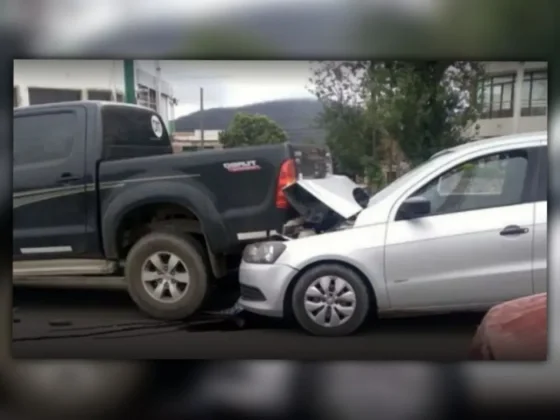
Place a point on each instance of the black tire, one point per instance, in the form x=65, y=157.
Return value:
x=190, y=252
x=356, y=320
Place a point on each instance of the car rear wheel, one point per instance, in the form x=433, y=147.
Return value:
x=166, y=275
x=330, y=300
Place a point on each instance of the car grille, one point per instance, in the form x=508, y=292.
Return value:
x=251, y=293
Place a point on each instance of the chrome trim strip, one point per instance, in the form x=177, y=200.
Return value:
x=46, y=250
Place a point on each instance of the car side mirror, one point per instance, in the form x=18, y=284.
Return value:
x=414, y=207
x=361, y=196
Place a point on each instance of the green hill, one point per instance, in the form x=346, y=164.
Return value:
x=296, y=116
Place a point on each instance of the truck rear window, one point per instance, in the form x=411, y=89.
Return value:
x=130, y=131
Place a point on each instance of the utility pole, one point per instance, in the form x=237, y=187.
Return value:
x=201, y=118
x=173, y=103
x=129, y=82
x=158, y=87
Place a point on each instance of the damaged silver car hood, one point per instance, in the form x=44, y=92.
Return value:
x=335, y=191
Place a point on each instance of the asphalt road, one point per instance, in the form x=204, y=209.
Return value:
x=97, y=324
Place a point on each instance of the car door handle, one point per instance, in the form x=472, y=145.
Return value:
x=513, y=230
x=67, y=177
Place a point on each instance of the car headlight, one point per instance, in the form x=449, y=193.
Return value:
x=263, y=252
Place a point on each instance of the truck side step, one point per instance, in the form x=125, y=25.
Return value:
x=69, y=267
x=72, y=282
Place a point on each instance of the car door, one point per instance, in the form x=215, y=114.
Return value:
x=475, y=246
x=49, y=202
x=540, y=241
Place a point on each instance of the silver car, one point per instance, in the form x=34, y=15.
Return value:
x=463, y=231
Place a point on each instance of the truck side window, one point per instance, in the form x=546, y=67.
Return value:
x=43, y=138
x=491, y=181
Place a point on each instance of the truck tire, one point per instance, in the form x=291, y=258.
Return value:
x=166, y=275
x=339, y=292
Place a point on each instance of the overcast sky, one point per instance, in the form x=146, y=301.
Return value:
x=232, y=83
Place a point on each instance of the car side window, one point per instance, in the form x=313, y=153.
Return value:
x=542, y=179
x=43, y=138
x=494, y=180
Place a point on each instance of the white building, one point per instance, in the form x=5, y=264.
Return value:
x=192, y=140
x=45, y=81
x=514, y=98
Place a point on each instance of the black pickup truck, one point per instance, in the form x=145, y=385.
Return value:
x=99, y=193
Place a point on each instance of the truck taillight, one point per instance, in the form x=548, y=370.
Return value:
x=287, y=176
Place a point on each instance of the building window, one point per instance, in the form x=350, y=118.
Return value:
x=99, y=95
x=147, y=97
x=534, y=94
x=496, y=97
x=153, y=100
x=142, y=97
x=16, y=96
x=38, y=96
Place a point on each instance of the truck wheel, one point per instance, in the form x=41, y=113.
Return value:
x=330, y=300
x=166, y=275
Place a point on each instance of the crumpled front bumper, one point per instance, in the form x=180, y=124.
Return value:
x=263, y=287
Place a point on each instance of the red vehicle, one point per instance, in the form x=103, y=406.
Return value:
x=514, y=330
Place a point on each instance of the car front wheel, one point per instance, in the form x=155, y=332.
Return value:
x=330, y=300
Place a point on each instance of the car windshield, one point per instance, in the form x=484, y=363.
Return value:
x=397, y=183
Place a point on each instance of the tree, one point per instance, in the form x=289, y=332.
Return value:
x=338, y=86
x=251, y=130
x=421, y=107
